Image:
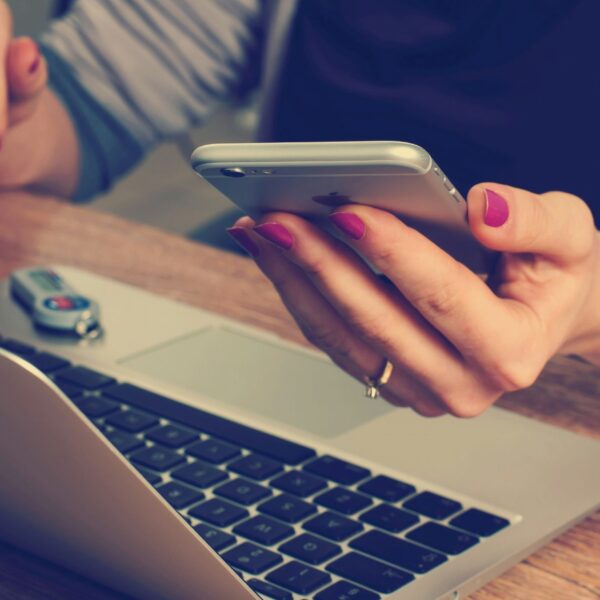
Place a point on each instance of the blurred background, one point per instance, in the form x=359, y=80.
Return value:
x=163, y=191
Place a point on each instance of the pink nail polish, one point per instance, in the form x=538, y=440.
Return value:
x=276, y=233
x=35, y=64
x=496, y=209
x=241, y=236
x=349, y=223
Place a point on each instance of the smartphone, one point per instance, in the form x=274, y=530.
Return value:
x=311, y=179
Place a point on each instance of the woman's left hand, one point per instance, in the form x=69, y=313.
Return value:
x=457, y=343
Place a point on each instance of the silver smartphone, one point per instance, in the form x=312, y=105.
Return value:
x=313, y=178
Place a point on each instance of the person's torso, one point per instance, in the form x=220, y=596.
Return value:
x=499, y=91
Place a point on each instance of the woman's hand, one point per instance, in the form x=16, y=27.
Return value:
x=38, y=146
x=457, y=343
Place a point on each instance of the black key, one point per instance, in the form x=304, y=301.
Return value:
x=386, y=488
x=370, y=573
x=310, y=549
x=298, y=577
x=47, y=363
x=199, y=474
x=287, y=508
x=215, y=538
x=344, y=590
x=172, y=436
x=398, y=552
x=255, y=466
x=132, y=421
x=179, y=495
x=258, y=441
x=149, y=476
x=298, y=483
x=266, y=590
x=85, y=378
x=433, y=505
x=479, y=522
x=250, y=558
x=123, y=442
x=96, y=406
x=214, y=451
x=389, y=517
x=17, y=347
x=69, y=390
x=343, y=500
x=442, y=538
x=218, y=512
x=332, y=526
x=337, y=470
x=264, y=530
x=243, y=491
x=157, y=458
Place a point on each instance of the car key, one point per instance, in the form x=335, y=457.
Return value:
x=53, y=304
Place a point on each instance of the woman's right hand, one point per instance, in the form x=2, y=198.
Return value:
x=33, y=123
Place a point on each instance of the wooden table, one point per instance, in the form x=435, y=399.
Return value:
x=44, y=231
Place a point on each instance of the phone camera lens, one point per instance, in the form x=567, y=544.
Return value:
x=233, y=172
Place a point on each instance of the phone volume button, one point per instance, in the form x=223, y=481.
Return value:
x=454, y=194
x=448, y=184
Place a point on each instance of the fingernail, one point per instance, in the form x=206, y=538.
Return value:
x=241, y=236
x=276, y=233
x=35, y=64
x=496, y=209
x=349, y=223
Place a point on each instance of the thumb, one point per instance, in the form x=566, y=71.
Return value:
x=556, y=225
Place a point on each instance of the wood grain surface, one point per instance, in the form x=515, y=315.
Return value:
x=35, y=230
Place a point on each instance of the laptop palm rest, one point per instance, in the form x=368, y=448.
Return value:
x=69, y=496
x=263, y=378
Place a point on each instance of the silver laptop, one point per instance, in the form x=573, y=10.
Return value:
x=187, y=456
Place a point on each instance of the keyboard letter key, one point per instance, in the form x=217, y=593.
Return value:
x=433, y=505
x=337, y=470
x=398, y=552
x=442, y=538
x=250, y=558
x=370, y=573
x=298, y=578
x=479, y=522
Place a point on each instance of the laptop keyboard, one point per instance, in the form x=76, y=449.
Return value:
x=293, y=523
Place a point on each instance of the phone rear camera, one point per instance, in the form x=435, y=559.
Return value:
x=233, y=172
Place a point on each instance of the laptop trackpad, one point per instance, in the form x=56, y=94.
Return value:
x=264, y=378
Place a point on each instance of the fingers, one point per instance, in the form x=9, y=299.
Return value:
x=5, y=35
x=324, y=328
x=451, y=298
x=316, y=317
x=555, y=225
x=27, y=77
x=377, y=313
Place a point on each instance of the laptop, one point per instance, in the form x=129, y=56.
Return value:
x=185, y=456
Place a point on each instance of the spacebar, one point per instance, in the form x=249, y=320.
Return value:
x=264, y=443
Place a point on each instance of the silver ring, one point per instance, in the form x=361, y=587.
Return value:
x=375, y=383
